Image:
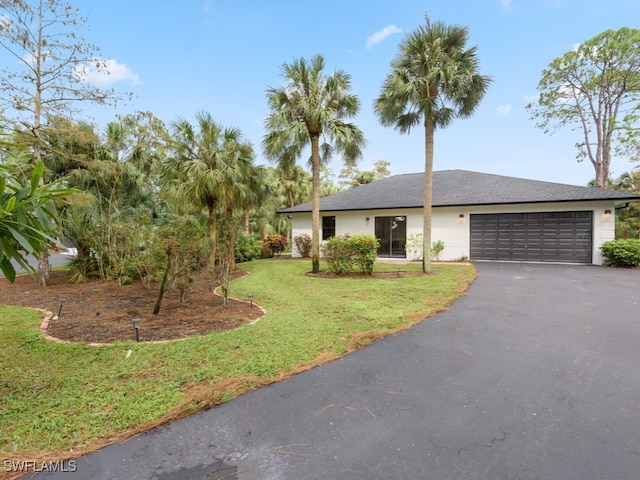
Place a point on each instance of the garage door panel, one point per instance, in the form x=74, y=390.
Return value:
x=536, y=237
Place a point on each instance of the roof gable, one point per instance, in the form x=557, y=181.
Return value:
x=458, y=188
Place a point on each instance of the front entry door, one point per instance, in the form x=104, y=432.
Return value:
x=392, y=234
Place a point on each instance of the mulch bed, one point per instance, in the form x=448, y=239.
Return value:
x=101, y=312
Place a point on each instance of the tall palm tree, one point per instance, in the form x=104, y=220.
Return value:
x=434, y=79
x=212, y=169
x=312, y=106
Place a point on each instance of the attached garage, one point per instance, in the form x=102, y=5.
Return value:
x=477, y=216
x=564, y=237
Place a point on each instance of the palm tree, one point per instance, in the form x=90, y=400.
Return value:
x=212, y=170
x=311, y=106
x=434, y=80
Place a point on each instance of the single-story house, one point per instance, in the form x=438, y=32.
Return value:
x=478, y=216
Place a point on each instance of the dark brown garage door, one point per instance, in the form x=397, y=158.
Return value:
x=532, y=237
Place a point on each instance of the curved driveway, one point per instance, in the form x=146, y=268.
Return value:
x=534, y=374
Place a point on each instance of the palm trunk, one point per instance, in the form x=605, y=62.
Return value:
x=429, y=129
x=231, y=248
x=315, y=205
x=213, y=235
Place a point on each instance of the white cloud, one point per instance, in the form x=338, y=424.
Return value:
x=381, y=35
x=103, y=73
x=504, y=109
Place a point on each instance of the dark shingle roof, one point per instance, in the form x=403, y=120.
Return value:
x=458, y=188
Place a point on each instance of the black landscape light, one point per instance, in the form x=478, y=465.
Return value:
x=62, y=300
x=135, y=322
x=210, y=284
x=250, y=299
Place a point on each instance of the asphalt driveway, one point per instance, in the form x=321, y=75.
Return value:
x=533, y=375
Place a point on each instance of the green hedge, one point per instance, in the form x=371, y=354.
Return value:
x=622, y=253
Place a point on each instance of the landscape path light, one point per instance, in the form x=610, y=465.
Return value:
x=135, y=322
x=250, y=299
x=62, y=300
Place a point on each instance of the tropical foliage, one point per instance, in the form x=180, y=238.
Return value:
x=434, y=80
x=28, y=220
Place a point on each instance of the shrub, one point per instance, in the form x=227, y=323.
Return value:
x=337, y=253
x=273, y=245
x=414, y=246
x=622, y=253
x=303, y=244
x=247, y=248
x=346, y=253
x=364, y=250
x=436, y=249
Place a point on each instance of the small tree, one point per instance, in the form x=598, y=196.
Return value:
x=184, y=253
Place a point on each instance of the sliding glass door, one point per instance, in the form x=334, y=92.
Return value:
x=392, y=234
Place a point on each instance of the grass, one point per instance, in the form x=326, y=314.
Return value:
x=62, y=400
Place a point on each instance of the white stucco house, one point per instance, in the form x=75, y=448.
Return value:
x=478, y=216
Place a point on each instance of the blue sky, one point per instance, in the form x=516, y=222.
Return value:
x=181, y=57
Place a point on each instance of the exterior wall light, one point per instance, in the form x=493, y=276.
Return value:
x=461, y=218
x=607, y=214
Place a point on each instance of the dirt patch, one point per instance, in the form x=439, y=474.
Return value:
x=97, y=311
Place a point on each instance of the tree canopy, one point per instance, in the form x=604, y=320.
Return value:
x=595, y=91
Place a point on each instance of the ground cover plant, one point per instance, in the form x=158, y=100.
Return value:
x=62, y=400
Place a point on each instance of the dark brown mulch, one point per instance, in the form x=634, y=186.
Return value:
x=97, y=311
x=396, y=274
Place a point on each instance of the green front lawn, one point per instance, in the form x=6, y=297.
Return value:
x=61, y=400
